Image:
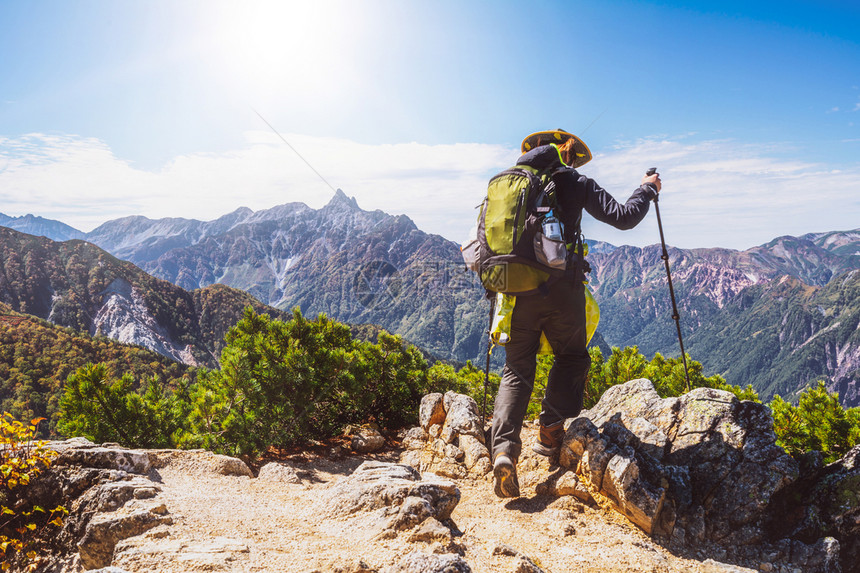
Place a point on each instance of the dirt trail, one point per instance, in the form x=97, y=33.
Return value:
x=230, y=523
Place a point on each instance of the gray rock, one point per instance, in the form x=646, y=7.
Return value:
x=413, y=511
x=430, y=530
x=82, y=452
x=711, y=566
x=145, y=553
x=482, y=467
x=105, y=530
x=453, y=443
x=824, y=504
x=367, y=439
x=111, y=496
x=415, y=438
x=569, y=484
x=411, y=458
x=453, y=452
x=431, y=411
x=200, y=460
x=640, y=500
x=229, y=466
x=474, y=450
x=418, y=562
x=278, y=472
x=374, y=485
x=461, y=418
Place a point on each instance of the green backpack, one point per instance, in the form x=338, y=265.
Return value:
x=519, y=248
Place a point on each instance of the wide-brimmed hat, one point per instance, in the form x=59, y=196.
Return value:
x=558, y=136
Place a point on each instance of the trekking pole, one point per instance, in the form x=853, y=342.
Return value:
x=489, y=352
x=665, y=258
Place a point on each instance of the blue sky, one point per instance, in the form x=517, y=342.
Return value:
x=750, y=110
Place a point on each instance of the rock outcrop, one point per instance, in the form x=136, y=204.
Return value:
x=450, y=438
x=704, y=466
x=111, y=496
x=823, y=502
x=701, y=469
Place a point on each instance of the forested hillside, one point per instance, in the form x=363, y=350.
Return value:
x=36, y=357
x=80, y=286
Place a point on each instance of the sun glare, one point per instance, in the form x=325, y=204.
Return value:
x=290, y=51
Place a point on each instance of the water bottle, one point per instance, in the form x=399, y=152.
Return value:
x=551, y=227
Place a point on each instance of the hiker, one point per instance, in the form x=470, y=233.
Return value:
x=558, y=312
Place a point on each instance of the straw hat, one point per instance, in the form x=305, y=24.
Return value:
x=558, y=136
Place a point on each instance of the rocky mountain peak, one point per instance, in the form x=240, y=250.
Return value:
x=341, y=200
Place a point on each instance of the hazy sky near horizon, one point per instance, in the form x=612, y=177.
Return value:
x=751, y=110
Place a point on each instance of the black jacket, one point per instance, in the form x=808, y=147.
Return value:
x=576, y=192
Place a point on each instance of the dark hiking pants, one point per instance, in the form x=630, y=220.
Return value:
x=560, y=315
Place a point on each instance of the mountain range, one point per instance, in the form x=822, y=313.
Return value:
x=776, y=316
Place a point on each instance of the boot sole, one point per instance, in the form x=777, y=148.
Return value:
x=547, y=451
x=506, y=481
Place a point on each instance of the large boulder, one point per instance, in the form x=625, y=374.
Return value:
x=702, y=467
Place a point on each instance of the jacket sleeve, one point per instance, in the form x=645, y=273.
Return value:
x=603, y=207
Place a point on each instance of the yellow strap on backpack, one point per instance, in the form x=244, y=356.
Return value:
x=500, y=331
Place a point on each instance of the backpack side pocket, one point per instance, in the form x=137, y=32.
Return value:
x=472, y=255
x=550, y=252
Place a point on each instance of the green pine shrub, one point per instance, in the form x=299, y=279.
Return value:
x=108, y=409
x=818, y=422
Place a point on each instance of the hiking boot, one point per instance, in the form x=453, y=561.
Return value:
x=505, y=477
x=549, y=439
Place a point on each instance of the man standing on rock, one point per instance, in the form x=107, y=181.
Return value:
x=558, y=312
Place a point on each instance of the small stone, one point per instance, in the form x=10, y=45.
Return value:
x=418, y=561
x=504, y=549
x=431, y=530
x=415, y=438
x=368, y=439
x=482, y=467
x=413, y=511
x=526, y=565
x=454, y=453
x=473, y=449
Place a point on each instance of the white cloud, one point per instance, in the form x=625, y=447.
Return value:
x=716, y=193
x=720, y=193
x=80, y=182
